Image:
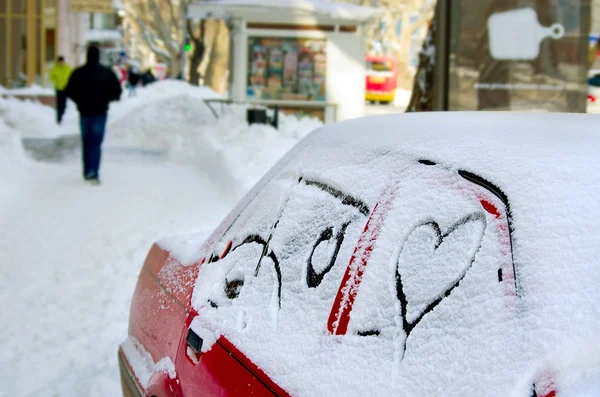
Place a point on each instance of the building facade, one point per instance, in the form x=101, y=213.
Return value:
x=33, y=33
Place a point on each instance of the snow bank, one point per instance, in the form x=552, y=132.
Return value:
x=33, y=90
x=158, y=92
x=402, y=97
x=237, y=154
x=33, y=119
x=171, y=116
x=11, y=148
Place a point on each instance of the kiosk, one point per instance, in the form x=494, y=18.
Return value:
x=301, y=56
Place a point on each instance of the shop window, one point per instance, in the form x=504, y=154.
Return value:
x=50, y=46
x=17, y=51
x=287, y=69
x=18, y=7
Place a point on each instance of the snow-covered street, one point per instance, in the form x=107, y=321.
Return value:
x=75, y=252
x=71, y=252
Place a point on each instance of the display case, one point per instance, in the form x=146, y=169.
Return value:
x=292, y=69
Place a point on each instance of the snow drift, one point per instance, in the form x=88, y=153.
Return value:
x=172, y=118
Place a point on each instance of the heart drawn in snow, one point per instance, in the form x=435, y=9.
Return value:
x=432, y=263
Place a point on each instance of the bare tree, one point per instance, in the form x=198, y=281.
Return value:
x=162, y=26
x=196, y=32
x=165, y=30
x=157, y=23
x=421, y=99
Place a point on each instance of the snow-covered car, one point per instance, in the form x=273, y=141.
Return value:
x=434, y=254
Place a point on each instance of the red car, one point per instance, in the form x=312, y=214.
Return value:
x=381, y=79
x=429, y=254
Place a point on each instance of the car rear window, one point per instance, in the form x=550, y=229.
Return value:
x=378, y=270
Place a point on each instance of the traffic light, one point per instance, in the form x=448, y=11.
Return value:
x=187, y=43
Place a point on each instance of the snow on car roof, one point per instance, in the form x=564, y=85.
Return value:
x=419, y=254
x=325, y=7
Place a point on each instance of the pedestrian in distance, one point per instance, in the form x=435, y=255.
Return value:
x=148, y=78
x=59, y=76
x=92, y=87
x=133, y=79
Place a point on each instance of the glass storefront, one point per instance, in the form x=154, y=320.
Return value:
x=518, y=55
x=287, y=69
x=27, y=41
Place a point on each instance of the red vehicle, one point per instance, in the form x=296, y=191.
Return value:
x=415, y=255
x=381, y=79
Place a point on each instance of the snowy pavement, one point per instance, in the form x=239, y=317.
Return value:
x=70, y=253
x=75, y=252
x=398, y=106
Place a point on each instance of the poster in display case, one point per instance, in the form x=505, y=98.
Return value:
x=287, y=69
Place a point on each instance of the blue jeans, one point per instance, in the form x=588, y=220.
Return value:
x=92, y=134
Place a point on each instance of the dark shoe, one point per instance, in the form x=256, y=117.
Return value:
x=92, y=178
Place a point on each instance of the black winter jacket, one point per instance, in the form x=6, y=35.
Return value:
x=92, y=86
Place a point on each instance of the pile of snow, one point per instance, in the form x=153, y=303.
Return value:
x=158, y=121
x=172, y=116
x=32, y=90
x=12, y=157
x=34, y=119
x=402, y=98
x=11, y=147
x=238, y=154
x=158, y=92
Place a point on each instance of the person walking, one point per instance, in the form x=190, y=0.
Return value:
x=59, y=76
x=92, y=87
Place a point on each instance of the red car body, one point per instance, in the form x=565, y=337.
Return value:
x=222, y=371
x=161, y=315
x=381, y=78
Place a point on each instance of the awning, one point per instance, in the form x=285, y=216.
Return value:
x=253, y=8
